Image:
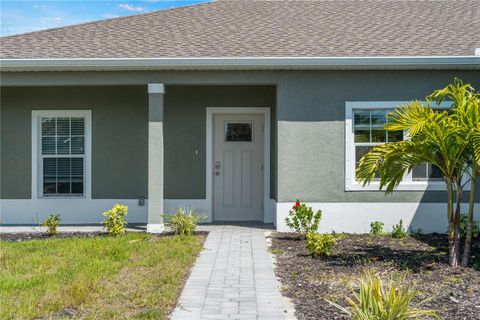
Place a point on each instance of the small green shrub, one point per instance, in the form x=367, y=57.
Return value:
x=115, y=222
x=184, y=221
x=376, y=301
x=463, y=227
x=302, y=220
x=320, y=244
x=52, y=223
x=376, y=228
x=399, y=231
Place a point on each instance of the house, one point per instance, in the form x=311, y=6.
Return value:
x=237, y=108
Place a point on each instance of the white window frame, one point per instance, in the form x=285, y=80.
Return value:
x=37, y=169
x=351, y=184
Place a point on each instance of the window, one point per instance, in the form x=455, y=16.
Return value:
x=369, y=131
x=238, y=131
x=62, y=153
x=426, y=172
x=364, y=125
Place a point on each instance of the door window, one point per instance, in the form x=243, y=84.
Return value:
x=238, y=131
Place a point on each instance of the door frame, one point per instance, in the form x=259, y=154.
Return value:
x=211, y=111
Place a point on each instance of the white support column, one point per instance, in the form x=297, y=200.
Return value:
x=156, y=92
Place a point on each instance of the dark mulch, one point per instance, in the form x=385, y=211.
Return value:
x=421, y=260
x=61, y=235
x=42, y=236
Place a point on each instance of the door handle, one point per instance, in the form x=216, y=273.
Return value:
x=217, y=168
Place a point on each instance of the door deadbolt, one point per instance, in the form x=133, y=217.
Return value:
x=217, y=168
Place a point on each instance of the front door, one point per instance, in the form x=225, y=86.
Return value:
x=238, y=167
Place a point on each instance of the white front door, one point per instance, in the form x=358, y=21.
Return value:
x=238, y=167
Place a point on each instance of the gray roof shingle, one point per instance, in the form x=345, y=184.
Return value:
x=241, y=28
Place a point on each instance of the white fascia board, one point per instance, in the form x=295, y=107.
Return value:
x=241, y=63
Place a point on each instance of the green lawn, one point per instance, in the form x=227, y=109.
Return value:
x=132, y=276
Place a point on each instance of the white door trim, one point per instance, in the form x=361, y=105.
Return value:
x=266, y=154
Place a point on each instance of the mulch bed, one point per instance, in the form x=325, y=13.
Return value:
x=422, y=261
x=61, y=235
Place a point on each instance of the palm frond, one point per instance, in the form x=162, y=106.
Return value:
x=411, y=117
x=476, y=145
x=371, y=163
x=449, y=140
x=375, y=300
x=392, y=161
x=457, y=92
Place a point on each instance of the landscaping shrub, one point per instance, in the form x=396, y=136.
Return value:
x=184, y=221
x=320, y=244
x=374, y=300
x=399, y=231
x=302, y=219
x=115, y=222
x=463, y=227
x=376, y=228
x=52, y=223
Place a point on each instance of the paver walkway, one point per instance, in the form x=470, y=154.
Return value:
x=233, y=278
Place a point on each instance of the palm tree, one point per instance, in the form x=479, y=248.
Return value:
x=466, y=106
x=441, y=138
x=433, y=138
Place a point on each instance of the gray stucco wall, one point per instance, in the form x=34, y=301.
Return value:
x=120, y=135
x=185, y=131
x=311, y=128
x=119, y=131
x=310, y=108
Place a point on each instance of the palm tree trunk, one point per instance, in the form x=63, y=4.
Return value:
x=452, y=243
x=456, y=229
x=468, y=237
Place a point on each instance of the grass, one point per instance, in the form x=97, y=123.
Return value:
x=135, y=276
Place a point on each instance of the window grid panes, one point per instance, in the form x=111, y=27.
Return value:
x=369, y=131
x=426, y=172
x=63, y=155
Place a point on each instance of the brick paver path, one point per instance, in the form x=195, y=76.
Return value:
x=233, y=278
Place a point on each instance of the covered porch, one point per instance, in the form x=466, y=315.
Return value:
x=152, y=148
x=228, y=175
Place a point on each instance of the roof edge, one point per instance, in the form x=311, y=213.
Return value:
x=240, y=63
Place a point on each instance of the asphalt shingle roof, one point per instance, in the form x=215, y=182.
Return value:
x=234, y=28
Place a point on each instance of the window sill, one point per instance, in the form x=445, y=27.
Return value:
x=404, y=186
x=61, y=197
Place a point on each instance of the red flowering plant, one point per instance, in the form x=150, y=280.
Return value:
x=296, y=205
x=302, y=220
